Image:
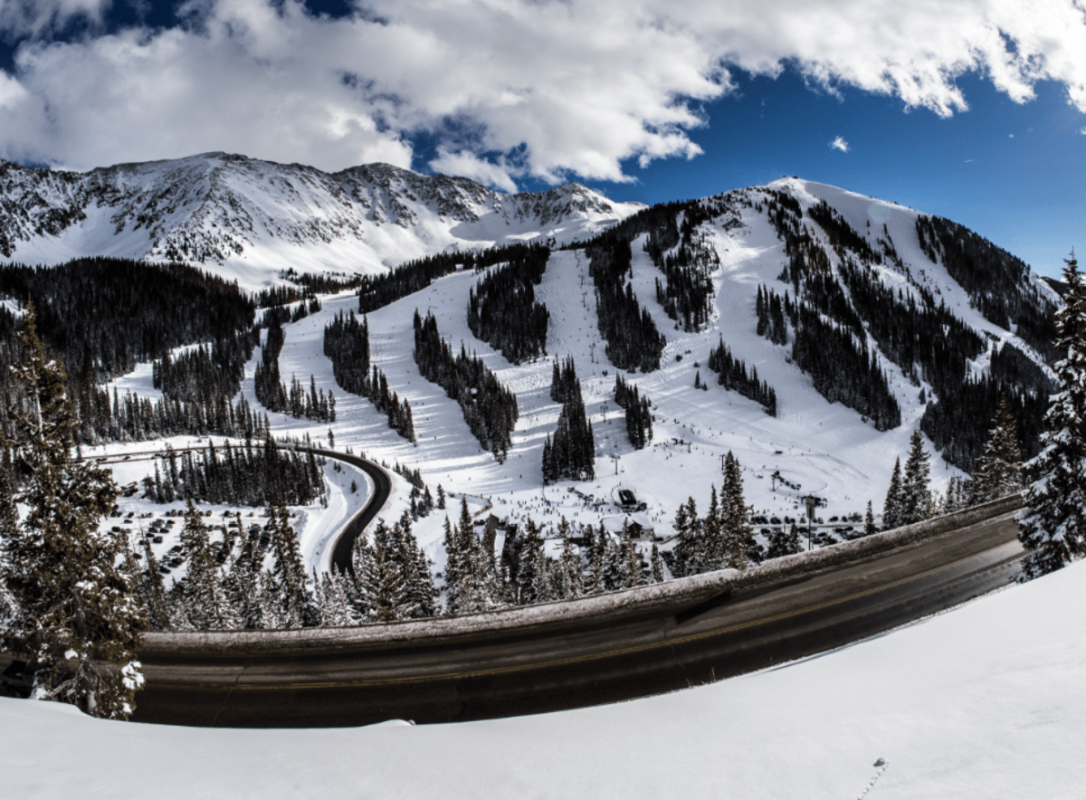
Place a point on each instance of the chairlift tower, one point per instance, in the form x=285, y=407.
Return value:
x=812, y=502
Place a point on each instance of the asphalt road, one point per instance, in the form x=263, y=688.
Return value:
x=382, y=487
x=579, y=663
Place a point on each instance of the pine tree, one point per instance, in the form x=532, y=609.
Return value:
x=153, y=590
x=709, y=547
x=206, y=602
x=288, y=570
x=452, y=569
x=893, y=510
x=688, y=528
x=869, y=521
x=531, y=563
x=594, y=580
x=916, y=493
x=570, y=580
x=656, y=565
x=736, y=528
x=630, y=560
x=382, y=585
x=78, y=611
x=1052, y=526
x=998, y=470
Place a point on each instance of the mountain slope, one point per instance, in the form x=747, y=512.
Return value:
x=869, y=293
x=820, y=446
x=249, y=218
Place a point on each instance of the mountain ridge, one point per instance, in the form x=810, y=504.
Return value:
x=229, y=212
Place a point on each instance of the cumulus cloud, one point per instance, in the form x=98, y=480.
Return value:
x=839, y=144
x=468, y=165
x=506, y=88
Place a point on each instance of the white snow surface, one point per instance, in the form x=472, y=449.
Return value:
x=248, y=219
x=826, y=449
x=986, y=701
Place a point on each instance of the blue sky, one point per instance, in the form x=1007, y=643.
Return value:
x=1015, y=173
x=968, y=109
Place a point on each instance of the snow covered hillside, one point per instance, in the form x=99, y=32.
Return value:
x=811, y=445
x=982, y=701
x=249, y=219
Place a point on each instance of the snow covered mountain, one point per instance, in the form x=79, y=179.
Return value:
x=247, y=218
x=850, y=320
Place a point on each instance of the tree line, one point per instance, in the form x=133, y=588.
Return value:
x=638, y=410
x=488, y=407
x=633, y=340
x=839, y=363
x=276, y=396
x=347, y=345
x=237, y=475
x=724, y=537
x=571, y=453
x=502, y=309
x=732, y=375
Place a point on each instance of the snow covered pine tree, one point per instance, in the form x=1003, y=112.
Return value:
x=77, y=607
x=1052, y=526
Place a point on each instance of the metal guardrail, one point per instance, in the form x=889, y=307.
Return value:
x=639, y=601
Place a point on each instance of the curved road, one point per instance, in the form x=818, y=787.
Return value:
x=350, y=677
x=341, y=550
x=382, y=487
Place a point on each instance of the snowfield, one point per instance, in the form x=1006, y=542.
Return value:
x=985, y=701
x=823, y=448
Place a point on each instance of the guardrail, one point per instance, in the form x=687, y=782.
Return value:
x=642, y=601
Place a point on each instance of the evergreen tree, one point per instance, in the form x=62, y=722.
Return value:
x=656, y=565
x=77, y=608
x=915, y=490
x=630, y=569
x=206, y=602
x=593, y=577
x=531, y=564
x=736, y=529
x=782, y=543
x=452, y=569
x=1053, y=524
x=998, y=470
x=869, y=521
x=381, y=585
x=893, y=511
x=153, y=591
x=288, y=570
x=570, y=581
x=688, y=529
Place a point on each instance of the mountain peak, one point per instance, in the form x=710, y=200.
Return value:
x=248, y=218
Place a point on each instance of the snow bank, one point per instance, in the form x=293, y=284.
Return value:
x=984, y=701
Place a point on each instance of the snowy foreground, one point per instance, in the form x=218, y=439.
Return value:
x=983, y=701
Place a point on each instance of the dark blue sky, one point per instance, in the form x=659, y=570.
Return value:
x=1014, y=172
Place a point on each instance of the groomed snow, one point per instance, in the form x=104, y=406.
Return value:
x=985, y=701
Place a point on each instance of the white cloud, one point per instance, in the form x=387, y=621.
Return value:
x=555, y=88
x=469, y=165
x=839, y=144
